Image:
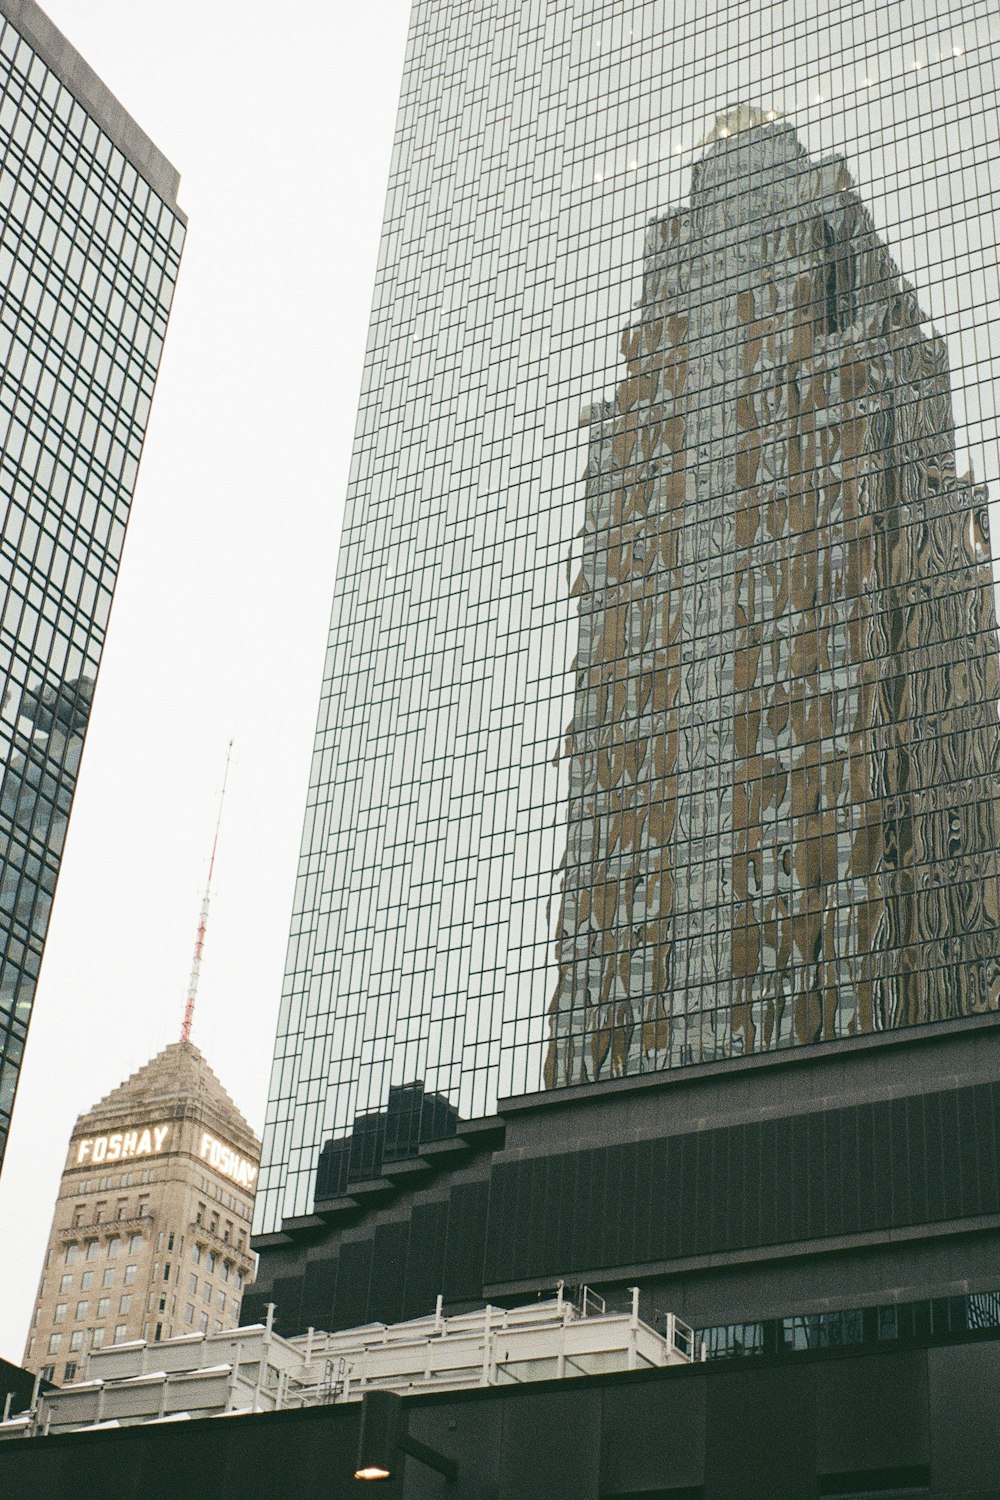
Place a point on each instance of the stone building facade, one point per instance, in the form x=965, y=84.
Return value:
x=150, y=1235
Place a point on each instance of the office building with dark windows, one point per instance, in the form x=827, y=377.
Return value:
x=647, y=929
x=150, y=1234
x=659, y=729
x=90, y=239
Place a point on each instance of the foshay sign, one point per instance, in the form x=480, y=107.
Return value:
x=227, y=1161
x=145, y=1140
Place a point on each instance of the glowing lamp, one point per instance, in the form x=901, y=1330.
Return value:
x=384, y=1439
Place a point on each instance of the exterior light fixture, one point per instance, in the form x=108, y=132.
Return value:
x=956, y=51
x=378, y=1442
x=384, y=1440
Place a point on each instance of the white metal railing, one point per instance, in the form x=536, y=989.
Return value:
x=253, y=1369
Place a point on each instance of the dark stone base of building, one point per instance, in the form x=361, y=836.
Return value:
x=765, y=1201
x=829, y=1220
x=916, y=1422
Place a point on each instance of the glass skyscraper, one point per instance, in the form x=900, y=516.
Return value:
x=659, y=723
x=90, y=240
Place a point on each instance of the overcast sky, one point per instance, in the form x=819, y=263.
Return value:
x=279, y=120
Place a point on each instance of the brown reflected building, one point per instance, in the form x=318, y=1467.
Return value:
x=150, y=1235
x=784, y=748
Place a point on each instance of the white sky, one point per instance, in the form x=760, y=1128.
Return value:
x=279, y=120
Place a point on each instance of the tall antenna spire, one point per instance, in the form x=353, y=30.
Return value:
x=199, y=942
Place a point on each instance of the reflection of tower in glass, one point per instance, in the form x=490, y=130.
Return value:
x=784, y=744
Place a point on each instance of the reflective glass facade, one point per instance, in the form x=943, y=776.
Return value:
x=89, y=249
x=659, y=721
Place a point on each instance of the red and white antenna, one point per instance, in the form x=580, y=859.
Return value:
x=199, y=942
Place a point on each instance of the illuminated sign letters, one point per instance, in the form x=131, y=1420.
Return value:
x=145, y=1140
x=227, y=1161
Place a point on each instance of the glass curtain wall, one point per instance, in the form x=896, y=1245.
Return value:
x=88, y=261
x=659, y=723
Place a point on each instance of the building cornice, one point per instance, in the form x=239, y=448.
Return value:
x=58, y=54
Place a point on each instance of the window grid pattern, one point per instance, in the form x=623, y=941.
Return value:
x=88, y=261
x=546, y=840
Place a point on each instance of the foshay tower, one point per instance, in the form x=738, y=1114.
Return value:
x=150, y=1236
x=784, y=746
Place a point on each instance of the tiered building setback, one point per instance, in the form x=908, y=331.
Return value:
x=151, y=1228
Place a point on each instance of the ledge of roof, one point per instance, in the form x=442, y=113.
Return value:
x=59, y=54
